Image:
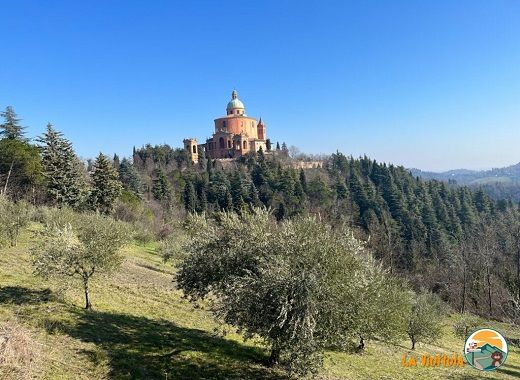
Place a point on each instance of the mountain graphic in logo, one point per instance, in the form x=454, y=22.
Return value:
x=485, y=350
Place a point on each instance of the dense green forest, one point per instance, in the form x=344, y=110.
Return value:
x=307, y=233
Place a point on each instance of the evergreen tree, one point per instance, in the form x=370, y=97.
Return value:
x=281, y=212
x=254, y=198
x=11, y=128
x=482, y=202
x=189, y=197
x=341, y=190
x=228, y=204
x=106, y=186
x=64, y=174
x=161, y=189
x=116, y=161
x=268, y=144
x=203, y=162
x=202, y=201
x=130, y=177
x=303, y=180
x=277, y=145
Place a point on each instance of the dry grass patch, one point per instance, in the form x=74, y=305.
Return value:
x=19, y=352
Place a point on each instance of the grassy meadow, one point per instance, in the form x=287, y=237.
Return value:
x=142, y=328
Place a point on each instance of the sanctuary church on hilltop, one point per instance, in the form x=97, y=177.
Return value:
x=235, y=134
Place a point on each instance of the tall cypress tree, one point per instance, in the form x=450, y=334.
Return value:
x=303, y=180
x=189, y=197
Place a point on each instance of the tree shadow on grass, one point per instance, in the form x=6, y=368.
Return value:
x=475, y=375
x=143, y=348
x=509, y=371
x=19, y=295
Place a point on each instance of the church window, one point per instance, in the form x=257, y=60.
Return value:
x=194, y=148
x=221, y=143
x=229, y=144
x=245, y=144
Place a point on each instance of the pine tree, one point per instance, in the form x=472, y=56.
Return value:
x=161, y=189
x=482, y=202
x=11, y=128
x=106, y=185
x=254, y=198
x=277, y=145
x=64, y=174
x=129, y=177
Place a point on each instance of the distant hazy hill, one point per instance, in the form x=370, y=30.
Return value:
x=469, y=177
x=498, y=182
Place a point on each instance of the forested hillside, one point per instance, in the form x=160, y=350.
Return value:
x=441, y=237
x=301, y=261
x=499, y=183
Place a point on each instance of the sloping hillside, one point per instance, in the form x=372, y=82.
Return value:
x=141, y=328
x=469, y=177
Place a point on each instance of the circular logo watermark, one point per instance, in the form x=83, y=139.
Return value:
x=485, y=350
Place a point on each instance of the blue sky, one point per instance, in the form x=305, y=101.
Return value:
x=433, y=85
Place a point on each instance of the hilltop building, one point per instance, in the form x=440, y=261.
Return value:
x=235, y=134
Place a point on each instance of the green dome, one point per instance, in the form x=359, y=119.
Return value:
x=235, y=102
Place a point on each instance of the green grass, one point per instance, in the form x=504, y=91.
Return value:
x=141, y=328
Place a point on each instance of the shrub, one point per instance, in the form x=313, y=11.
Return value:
x=465, y=324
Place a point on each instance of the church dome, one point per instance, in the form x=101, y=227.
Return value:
x=235, y=102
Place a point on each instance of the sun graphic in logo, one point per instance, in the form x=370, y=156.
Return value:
x=485, y=350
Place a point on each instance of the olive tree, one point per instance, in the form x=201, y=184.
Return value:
x=425, y=318
x=381, y=305
x=299, y=284
x=14, y=217
x=86, y=246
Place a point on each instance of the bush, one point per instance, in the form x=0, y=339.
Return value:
x=465, y=324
